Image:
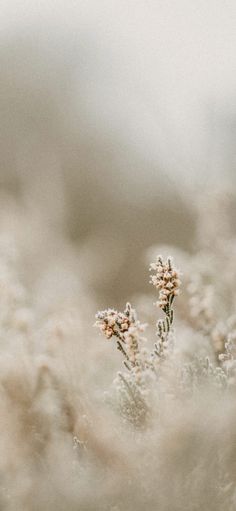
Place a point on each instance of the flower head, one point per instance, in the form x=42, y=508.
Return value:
x=110, y=322
x=166, y=280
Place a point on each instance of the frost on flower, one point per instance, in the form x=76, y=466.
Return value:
x=166, y=280
x=127, y=330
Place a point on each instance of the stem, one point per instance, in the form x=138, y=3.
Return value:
x=120, y=348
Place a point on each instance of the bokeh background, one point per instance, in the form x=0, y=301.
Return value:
x=117, y=117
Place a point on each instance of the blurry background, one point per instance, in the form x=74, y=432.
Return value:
x=116, y=116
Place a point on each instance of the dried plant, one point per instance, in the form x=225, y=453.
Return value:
x=127, y=330
x=166, y=280
x=125, y=327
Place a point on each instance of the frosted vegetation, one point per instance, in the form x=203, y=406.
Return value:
x=150, y=426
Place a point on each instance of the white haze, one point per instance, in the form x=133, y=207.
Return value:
x=157, y=77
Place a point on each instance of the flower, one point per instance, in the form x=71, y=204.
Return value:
x=166, y=280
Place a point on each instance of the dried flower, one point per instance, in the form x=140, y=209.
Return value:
x=166, y=280
x=110, y=322
x=124, y=326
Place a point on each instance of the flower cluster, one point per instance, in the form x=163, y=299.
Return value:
x=132, y=384
x=166, y=280
x=127, y=329
x=110, y=322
